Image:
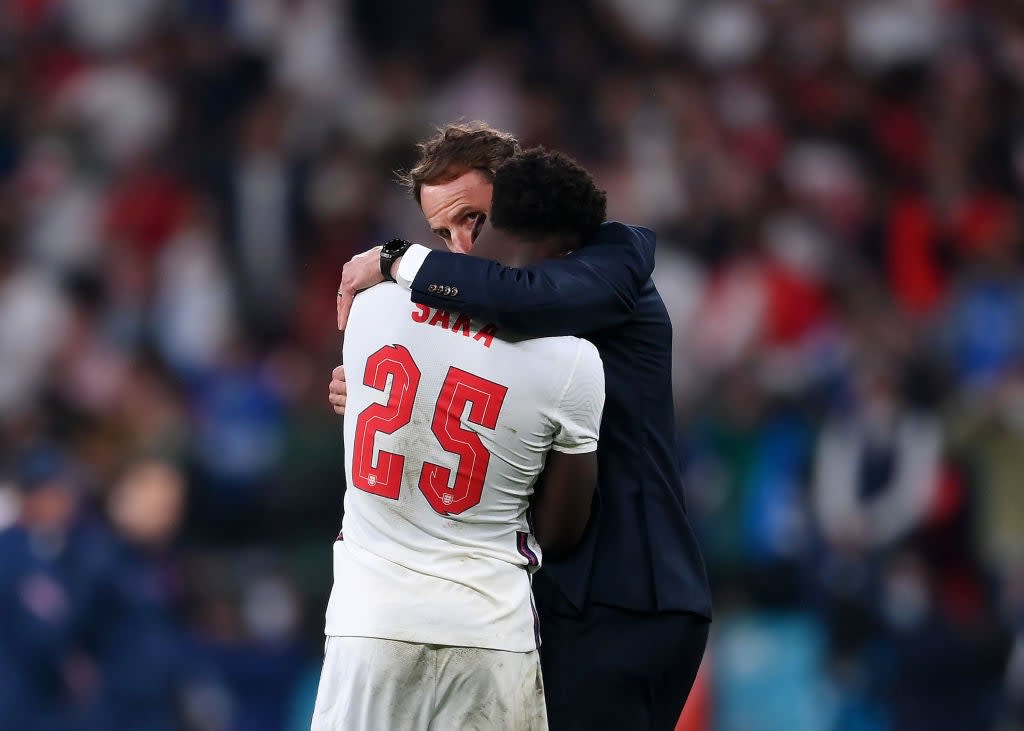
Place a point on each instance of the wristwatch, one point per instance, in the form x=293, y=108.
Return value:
x=388, y=253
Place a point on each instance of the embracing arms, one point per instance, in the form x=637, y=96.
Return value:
x=595, y=287
x=561, y=505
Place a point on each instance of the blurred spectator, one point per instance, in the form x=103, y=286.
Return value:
x=939, y=645
x=238, y=418
x=193, y=311
x=123, y=109
x=989, y=436
x=142, y=655
x=60, y=225
x=264, y=210
x=40, y=597
x=877, y=467
x=33, y=314
x=985, y=328
x=110, y=25
x=253, y=643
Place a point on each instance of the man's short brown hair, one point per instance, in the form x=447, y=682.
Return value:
x=456, y=149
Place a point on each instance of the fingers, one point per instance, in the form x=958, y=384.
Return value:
x=362, y=271
x=337, y=395
x=345, y=299
x=346, y=293
x=337, y=392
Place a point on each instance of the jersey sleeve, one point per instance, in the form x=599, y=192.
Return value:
x=578, y=415
x=409, y=267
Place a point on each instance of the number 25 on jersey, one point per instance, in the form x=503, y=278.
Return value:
x=485, y=399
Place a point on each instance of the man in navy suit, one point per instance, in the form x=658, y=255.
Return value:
x=624, y=619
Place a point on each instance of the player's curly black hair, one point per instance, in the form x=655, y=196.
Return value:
x=541, y=192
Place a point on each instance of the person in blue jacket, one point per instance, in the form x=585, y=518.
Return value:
x=624, y=619
x=39, y=596
x=148, y=663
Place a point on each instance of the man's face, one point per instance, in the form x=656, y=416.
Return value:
x=456, y=210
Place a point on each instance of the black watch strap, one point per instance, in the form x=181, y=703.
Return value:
x=388, y=253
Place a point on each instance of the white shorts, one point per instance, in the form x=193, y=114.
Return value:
x=385, y=685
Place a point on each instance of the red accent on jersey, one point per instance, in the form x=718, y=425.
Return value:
x=442, y=318
x=384, y=478
x=485, y=399
x=486, y=334
x=461, y=325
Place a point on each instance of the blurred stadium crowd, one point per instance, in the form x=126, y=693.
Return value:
x=836, y=188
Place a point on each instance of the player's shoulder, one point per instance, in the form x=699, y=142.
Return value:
x=376, y=303
x=587, y=364
x=383, y=292
x=563, y=355
x=556, y=346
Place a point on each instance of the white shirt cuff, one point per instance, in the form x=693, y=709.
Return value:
x=410, y=265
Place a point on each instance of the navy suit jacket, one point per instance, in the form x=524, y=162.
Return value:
x=639, y=551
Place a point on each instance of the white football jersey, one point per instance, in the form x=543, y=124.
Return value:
x=447, y=426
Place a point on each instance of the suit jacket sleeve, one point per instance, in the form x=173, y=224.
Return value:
x=593, y=288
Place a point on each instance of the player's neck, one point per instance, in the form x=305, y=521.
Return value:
x=546, y=247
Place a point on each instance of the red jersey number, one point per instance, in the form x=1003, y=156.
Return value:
x=485, y=399
x=384, y=478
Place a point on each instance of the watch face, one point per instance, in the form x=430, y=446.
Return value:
x=394, y=246
x=388, y=253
